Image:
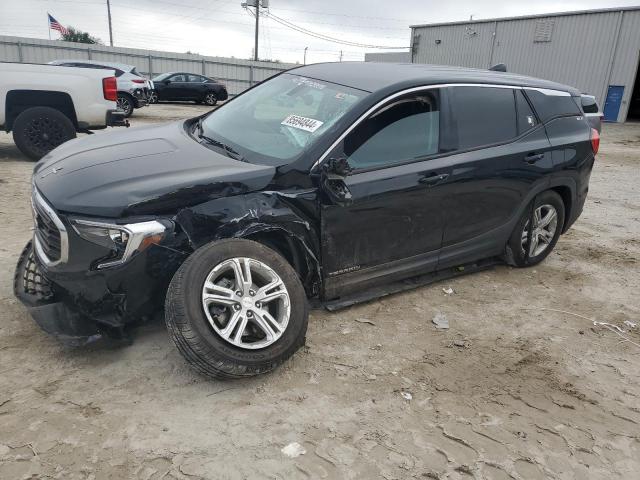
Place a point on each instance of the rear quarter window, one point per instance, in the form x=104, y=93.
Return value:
x=550, y=106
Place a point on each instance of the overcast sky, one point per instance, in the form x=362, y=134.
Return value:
x=224, y=28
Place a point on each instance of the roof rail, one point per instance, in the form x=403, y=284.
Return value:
x=499, y=67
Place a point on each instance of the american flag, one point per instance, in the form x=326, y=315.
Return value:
x=53, y=24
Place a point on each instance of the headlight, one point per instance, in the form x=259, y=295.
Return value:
x=124, y=240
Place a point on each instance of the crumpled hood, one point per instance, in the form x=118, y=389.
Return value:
x=141, y=171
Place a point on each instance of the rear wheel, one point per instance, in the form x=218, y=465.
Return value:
x=236, y=308
x=528, y=247
x=125, y=103
x=38, y=130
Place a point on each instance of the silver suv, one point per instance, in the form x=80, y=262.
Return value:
x=133, y=88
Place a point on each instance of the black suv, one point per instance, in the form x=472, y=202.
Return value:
x=326, y=185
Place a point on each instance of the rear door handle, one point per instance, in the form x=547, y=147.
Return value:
x=533, y=158
x=433, y=179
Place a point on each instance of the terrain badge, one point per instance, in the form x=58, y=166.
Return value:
x=54, y=170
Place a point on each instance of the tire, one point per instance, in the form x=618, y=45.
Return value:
x=201, y=340
x=153, y=98
x=210, y=99
x=519, y=252
x=125, y=103
x=38, y=130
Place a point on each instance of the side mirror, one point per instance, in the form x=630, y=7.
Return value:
x=334, y=172
x=338, y=166
x=167, y=82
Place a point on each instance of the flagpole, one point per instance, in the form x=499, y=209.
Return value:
x=48, y=26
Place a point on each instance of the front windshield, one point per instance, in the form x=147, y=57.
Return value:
x=279, y=119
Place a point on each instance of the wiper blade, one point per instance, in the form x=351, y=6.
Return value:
x=217, y=143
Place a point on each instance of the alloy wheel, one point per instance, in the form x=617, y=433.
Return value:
x=246, y=303
x=153, y=97
x=545, y=224
x=124, y=104
x=210, y=99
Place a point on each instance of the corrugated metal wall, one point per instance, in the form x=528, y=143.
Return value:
x=237, y=74
x=589, y=51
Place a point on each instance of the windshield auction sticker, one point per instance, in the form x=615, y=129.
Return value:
x=302, y=123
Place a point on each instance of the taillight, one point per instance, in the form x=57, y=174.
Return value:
x=110, y=88
x=139, y=81
x=595, y=141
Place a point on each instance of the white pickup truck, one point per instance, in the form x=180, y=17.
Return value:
x=45, y=105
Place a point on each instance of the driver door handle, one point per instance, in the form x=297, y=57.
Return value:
x=533, y=158
x=433, y=179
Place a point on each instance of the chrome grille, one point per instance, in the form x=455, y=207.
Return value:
x=47, y=233
x=50, y=234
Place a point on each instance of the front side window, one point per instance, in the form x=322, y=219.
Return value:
x=482, y=116
x=277, y=120
x=406, y=129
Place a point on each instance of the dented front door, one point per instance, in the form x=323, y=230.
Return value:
x=391, y=225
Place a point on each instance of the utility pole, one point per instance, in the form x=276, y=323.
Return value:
x=110, y=30
x=255, y=49
x=341, y=55
x=305, y=55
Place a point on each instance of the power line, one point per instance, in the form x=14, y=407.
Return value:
x=327, y=38
x=406, y=21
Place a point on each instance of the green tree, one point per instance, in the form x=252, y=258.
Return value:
x=74, y=35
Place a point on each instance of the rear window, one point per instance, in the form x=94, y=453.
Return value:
x=550, y=105
x=483, y=116
x=589, y=104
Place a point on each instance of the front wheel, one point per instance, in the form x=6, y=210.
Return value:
x=236, y=308
x=38, y=130
x=528, y=247
x=210, y=99
x=153, y=98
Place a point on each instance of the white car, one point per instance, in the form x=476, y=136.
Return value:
x=133, y=89
x=44, y=106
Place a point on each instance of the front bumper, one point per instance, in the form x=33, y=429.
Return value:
x=78, y=305
x=35, y=291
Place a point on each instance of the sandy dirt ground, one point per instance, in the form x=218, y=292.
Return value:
x=522, y=385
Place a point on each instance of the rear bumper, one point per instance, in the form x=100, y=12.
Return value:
x=140, y=97
x=116, y=118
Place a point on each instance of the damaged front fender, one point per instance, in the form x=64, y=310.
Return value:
x=287, y=218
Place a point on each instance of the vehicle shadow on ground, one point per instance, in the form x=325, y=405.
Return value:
x=10, y=153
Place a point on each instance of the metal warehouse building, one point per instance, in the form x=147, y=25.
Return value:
x=596, y=51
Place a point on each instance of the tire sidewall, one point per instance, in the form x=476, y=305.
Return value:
x=514, y=252
x=195, y=271
x=22, y=121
